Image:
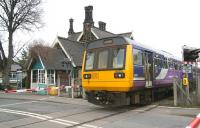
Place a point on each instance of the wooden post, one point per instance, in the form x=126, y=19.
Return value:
x=72, y=87
x=187, y=94
x=198, y=89
x=58, y=81
x=175, y=91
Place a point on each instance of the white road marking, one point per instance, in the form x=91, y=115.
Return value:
x=48, y=118
x=178, y=108
x=67, y=121
x=90, y=126
x=35, y=115
x=6, y=105
x=42, y=118
x=58, y=122
x=80, y=127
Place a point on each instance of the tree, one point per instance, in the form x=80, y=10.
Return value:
x=17, y=15
x=23, y=58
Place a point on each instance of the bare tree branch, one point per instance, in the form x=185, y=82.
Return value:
x=15, y=15
x=18, y=50
x=2, y=51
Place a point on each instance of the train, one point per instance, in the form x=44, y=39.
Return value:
x=120, y=71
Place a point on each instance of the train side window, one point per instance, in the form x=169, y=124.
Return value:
x=165, y=64
x=103, y=59
x=138, y=58
x=118, y=58
x=157, y=62
x=89, y=61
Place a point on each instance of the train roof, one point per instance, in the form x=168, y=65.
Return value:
x=120, y=40
x=148, y=48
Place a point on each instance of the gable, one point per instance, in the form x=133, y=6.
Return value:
x=87, y=36
x=73, y=50
x=37, y=65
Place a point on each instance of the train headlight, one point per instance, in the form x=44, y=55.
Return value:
x=119, y=75
x=87, y=76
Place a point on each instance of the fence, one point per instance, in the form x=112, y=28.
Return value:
x=187, y=94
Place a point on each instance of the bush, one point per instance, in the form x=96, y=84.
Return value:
x=2, y=87
x=26, y=83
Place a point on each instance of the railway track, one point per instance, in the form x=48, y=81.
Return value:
x=117, y=111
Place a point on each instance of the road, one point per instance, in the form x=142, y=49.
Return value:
x=34, y=111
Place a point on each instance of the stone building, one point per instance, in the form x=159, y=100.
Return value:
x=66, y=60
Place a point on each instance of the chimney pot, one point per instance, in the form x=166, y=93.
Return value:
x=102, y=25
x=88, y=15
x=71, y=30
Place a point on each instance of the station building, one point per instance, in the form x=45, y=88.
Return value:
x=63, y=61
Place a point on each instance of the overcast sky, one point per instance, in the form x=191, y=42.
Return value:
x=162, y=24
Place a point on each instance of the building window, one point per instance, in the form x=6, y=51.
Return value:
x=41, y=76
x=13, y=76
x=118, y=58
x=35, y=76
x=137, y=57
x=50, y=76
x=103, y=59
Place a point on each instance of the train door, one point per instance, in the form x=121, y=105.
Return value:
x=148, y=68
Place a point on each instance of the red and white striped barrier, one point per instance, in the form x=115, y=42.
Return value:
x=20, y=90
x=195, y=123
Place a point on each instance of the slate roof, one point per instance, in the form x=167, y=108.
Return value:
x=101, y=33
x=74, y=49
x=53, y=59
x=127, y=34
x=74, y=37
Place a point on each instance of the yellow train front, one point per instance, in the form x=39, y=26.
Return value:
x=119, y=71
x=108, y=71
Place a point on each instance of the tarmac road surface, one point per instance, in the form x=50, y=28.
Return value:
x=35, y=111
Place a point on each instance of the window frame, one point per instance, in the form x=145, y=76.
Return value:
x=49, y=76
x=42, y=79
x=110, y=58
x=142, y=55
x=98, y=53
x=94, y=60
x=36, y=76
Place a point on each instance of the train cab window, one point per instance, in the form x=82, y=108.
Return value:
x=137, y=54
x=103, y=59
x=89, y=61
x=118, y=58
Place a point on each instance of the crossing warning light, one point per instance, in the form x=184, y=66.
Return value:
x=185, y=81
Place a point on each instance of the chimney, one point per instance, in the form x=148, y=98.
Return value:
x=71, y=30
x=102, y=26
x=88, y=15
